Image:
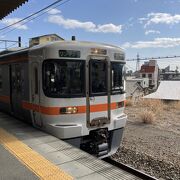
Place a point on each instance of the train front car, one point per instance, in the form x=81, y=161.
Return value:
x=82, y=98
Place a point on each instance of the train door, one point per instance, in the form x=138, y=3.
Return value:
x=35, y=94
x=16, y=89
x=99, y=88
x=11, y=87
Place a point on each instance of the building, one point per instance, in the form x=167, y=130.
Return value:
x=172, y=75
x=44, y=39
x=136, y=87
x=167, y=74
x=129, y=73
x=150, y=70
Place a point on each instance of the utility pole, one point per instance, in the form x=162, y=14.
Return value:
x=138, y=63
x=19, y=41
x=5, y=44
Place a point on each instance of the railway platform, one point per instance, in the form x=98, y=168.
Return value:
x=28, y=153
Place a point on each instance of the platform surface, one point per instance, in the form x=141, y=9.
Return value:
x=28, y=153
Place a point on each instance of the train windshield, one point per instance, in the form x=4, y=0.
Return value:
x=117, y=85
x=98, y=77
x=64, y=78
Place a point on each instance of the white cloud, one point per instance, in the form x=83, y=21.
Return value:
x=141, y=20
x=10, y=21
x=87, y=26
x=160, y=18
x=156, y=43
x=151, y=32
x=53, y=11
x=2, y=36
x=108, y=28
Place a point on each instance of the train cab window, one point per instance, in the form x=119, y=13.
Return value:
x=64, y=78
x=117, y=78
x=98, y=77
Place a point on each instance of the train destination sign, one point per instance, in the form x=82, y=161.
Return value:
x=118, y=56
x=69, y=53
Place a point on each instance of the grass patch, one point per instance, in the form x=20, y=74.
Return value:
x=147, y=117
x=176, y=105
x=156, y=106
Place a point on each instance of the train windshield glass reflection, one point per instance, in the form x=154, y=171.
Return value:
x=63, y=78
x=117, y=77
x=98, y=76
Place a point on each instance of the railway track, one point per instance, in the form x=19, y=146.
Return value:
x=129, y=169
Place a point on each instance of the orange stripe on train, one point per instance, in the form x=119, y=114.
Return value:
x=15, y=60
x=5, y=99
x=56, y=110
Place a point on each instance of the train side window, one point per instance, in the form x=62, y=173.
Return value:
x=35, y=80
x=117, y=86
x=18, y=78
x=0, y=79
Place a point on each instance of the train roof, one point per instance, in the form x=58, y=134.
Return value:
x=11, y=50
x=64, y=44
x=85, y=44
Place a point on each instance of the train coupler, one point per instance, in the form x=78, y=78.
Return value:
x=97, y=143
x=100, y=143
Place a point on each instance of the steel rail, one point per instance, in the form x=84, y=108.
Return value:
x=129, y=169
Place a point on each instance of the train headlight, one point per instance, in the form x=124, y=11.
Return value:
x=98, y=51
x=69, y=110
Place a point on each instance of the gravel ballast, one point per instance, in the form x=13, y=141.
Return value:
x=152, y=148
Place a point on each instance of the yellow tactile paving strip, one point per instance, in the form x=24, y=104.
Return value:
x=34, y=161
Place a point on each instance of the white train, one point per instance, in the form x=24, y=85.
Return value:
x=73, y=90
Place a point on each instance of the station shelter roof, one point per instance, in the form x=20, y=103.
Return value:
x=7, y=6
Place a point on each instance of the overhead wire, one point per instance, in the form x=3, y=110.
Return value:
x=47, y=10
x=154, y=58
x=130, y=67
x=34, y=14
x=11, y=45
x=31, y=15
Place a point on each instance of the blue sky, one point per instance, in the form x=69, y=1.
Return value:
x=148, y=27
